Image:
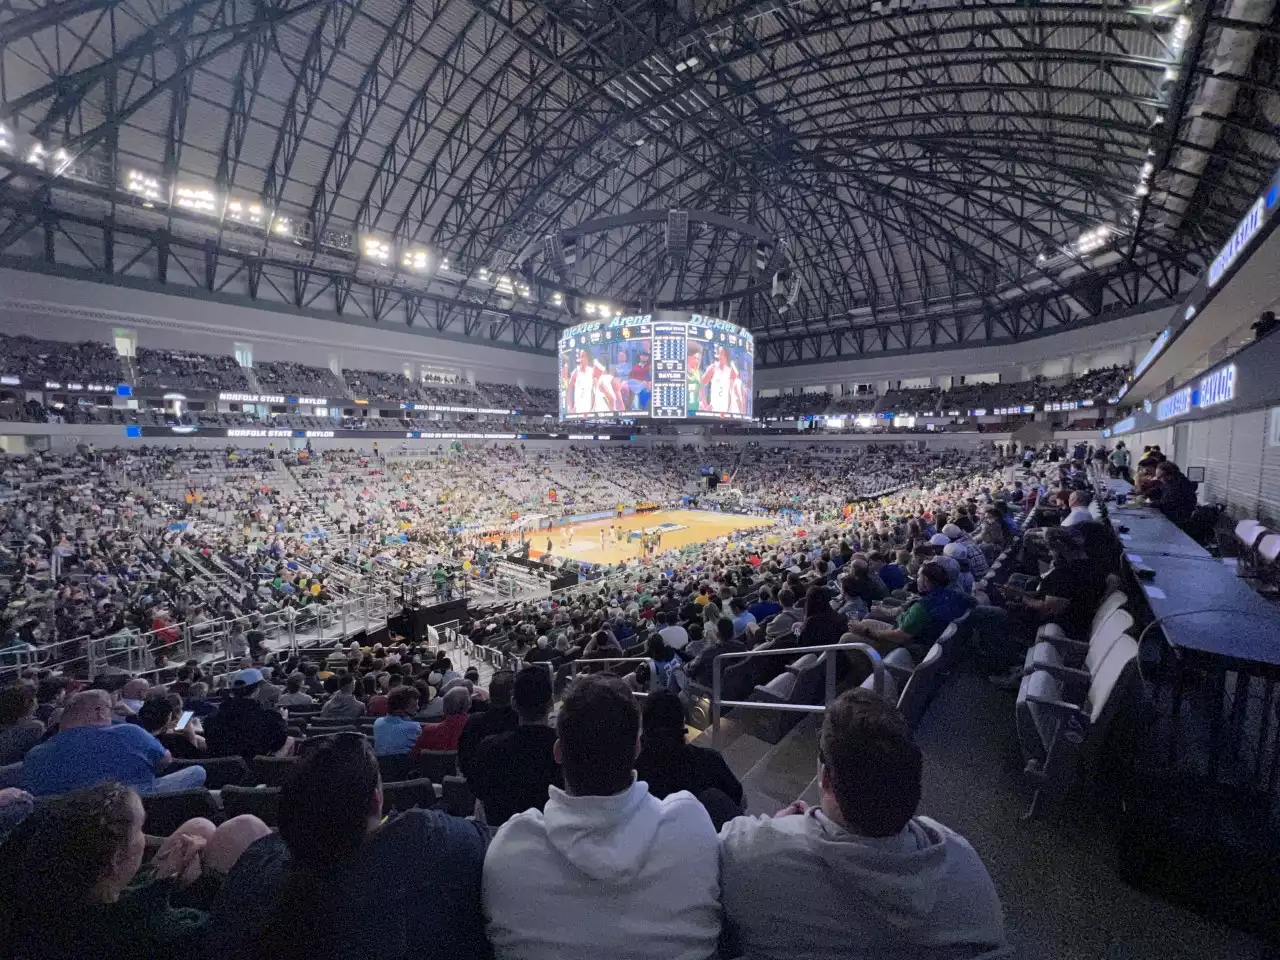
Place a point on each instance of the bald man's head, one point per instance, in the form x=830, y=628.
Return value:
x=89, y=708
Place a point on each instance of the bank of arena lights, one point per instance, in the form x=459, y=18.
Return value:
x=282, y=226
x=35, y=156
x=415, y=259
x=375, y=250
x=6, y=139
x=557, y=298
x=144, y=186
x=242, y=211
x=200, y=200
x=1094, y=239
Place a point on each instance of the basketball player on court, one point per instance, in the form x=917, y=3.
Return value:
x=722, y=385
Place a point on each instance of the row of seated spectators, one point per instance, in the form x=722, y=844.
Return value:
x=179, y=370
x=297, y=379
x=45, y=360
x=1096, y=385
x=84, y=362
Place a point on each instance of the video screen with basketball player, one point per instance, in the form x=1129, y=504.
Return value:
x=721, y=364
x=627, y=367
x=606, y=370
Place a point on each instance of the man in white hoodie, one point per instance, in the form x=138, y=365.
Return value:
x=606, y=869
x=862, y=876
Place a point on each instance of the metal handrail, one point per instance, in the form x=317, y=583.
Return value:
x=877, y=672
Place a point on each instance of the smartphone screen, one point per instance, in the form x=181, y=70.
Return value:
x=184, y=719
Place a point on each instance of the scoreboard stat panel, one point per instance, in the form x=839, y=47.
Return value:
x=669, y=352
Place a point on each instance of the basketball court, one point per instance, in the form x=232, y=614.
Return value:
x=678, y=528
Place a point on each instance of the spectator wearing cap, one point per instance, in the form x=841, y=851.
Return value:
x=243, y=725
x=89, y=749
x=860, y=876
x=619, y=873
x=445, y=734
x=397, y=732
x=343, y=705
x=937, y=546
x=513, y=771
x=967, y=550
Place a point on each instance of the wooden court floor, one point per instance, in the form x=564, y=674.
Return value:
x=697, y=526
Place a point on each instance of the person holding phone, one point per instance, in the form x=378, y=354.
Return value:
x=162, y=716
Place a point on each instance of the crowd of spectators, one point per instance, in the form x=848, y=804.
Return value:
x=180, y=370
x=598, y=829
x=42, y=361
x=1097, y=386
x=297, y=379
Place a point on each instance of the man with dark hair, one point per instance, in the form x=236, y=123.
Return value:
x=243, y=725
x=397, y=732
x=343, y=704
x=498, y=718
x=1173, y=494
x=792, y=612
x=512, y=771
x=862, y=875
x=619, y=872
x=668, y=764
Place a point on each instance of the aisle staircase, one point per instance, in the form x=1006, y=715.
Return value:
x=252, y=377
x=772, y=775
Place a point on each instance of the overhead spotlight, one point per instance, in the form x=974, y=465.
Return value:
x=6, y=138
x=484, y=273
x=557, y=298
x=444, y=264
x=196, y=199
x=1142, y=190
x=415, y=259
x=376, y=249
x=143, y=185
x=282, y=226
x=241, y=211
x=61, y=160
x=35, y=156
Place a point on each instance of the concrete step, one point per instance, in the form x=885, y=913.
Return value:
x=787, y=771
x=740, y=749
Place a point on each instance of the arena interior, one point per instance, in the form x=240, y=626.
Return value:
x=564, y=479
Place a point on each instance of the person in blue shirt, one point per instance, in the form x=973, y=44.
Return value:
x=742, y=618
x=89, y=749
x=766, y=606
x=396, y=733
x=894, y=575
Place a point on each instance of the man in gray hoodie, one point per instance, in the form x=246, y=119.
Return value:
x=861, y=876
